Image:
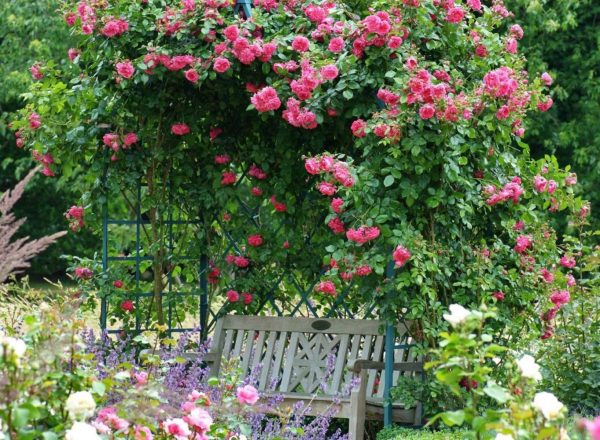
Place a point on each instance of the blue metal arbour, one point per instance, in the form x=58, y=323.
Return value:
x=208, y=317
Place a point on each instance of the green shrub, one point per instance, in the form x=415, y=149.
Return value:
x=398, y=433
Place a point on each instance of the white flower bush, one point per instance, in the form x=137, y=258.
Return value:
x=82, y=431
x=458, y=315
x=80, y=405
x=12, y=348
x=548, y=405
x=529, y=368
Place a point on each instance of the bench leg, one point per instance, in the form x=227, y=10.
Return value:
x=356, y=428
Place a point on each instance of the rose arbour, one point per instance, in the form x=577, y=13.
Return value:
x=390, y=139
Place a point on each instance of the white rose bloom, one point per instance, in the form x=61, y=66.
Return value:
x=529, y=369
x=504, y=437
x=80, y=405
x=458, y=314
x=548, y=405
x=12, y=347
x=82, y=431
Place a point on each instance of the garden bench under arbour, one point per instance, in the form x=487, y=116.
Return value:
x=291, y=357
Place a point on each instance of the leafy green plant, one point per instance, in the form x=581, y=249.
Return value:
x=397, y=433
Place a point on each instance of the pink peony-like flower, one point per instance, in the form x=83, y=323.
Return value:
x=363, y=234
x=36, y=73
x=337, y=205
x=524, y=242
x=83, y=273
x=516, y=31
x=427, y=111
x=327, y=288
x=142, y=433
x=336, y=45
x=560, y=297
x=232, y=296
x=547, y=276
x=200, y=419
x=246, y=298
x=546, y=79
x=257, y=172
x=180, y=129
x=266, y=100
x=336, y=225
x=178, y=428
x=511, y=46
x=191, y=75
x=474, y=4
x=214, y=133
x=544, y=106
x=395, y=42
x=568, y=262
x=75, y=212
x=329, y=72
x=363, y=271
x=593, y=428
x=571, y=179
x=118, y=284
x=256, y=191
x=499, y=295
x=358, y=128
x=221, y=65
x=125, y=69
x=231, y=32
x=247, y=395
x=130, y=139
x=300, y=44
x=222, y=159
x=228, y=178
x=255, y=240
x=400, y=256
x=327, y=189
x=540, y=183
x=455, y=15
x=311, y=165
x=34, y=121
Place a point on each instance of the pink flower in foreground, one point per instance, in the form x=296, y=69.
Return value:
x=363, y=234
x=540, y=183
x=34, y=121
x=232, y=296
x=255, y=240
x=221, y=65
x=311, y=165
x=222, y=159
x=427, y=111
x=247, y=395
x=570, y=280
x=593, y=428
x=180, y=129
x=560, y=297
x=326, y=287
x=199, y=418
x=524, y=242
x=358, y=128
x=329, y=72
x=228, y=178
x=178, y=428
x=544, y=106
x=83, y=273
x=327, y=189
x=142, y=433
x=300, y=44
x=401, y=255
x=546, y=79
x=336, y=225
x=191, y=75
x=571, y=179
x=336, y=45
x=337, y=205
x=568, y=262
x=266, y=99
x=36, y=73
x=455, y=15
x=125, y=69
x=547, y=276
x=499, y=295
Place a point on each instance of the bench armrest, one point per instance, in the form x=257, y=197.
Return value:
x=358, y=365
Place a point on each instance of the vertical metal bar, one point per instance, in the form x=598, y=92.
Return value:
x=170, y=267
x=390, y=335
x=138, y=225
x=104, y=304
x=203, y=296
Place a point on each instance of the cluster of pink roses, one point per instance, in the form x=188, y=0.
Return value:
x=117, y=142
x=511, y=191
x=114, y=27
x=75, y=216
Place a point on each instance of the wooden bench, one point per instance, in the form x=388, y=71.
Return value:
x=291, y=356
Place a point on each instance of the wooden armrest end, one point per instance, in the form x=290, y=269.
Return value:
x=364, y=364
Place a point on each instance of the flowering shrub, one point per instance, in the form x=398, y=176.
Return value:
x=421, y=106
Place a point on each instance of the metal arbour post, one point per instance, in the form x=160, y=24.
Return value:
x=390, y=336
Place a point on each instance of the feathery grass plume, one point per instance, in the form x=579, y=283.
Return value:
x=15, y=255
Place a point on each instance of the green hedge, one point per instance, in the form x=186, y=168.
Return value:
x=397, y=433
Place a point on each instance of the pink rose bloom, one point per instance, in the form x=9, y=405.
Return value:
x=177, y=428
x=75, y=212
x=401, y=255
x=571, y=179
x=246, y=298
x=141, y=378
x=547, y=79
x=214, y=133
x=34, y=121
x=560, y=297
x=327, y=288
x=568, y=262
x=329, y=72
x=516, y=31
x=511, y=45
x=221, y=65
x=83, y=273
x=180, y=129
x=326, y=163
x=411, y=63
x=300, y=44
x=311, y=165
x=544, y=106
x=247, y=395
x=539, y=183
x=358, y=128
x=255, y=240
x=228, y=178
x=474, y=4
x=499, y=295
x=125, y=69
x=142, y=433
x=327, y=189
x=503, y=112
x=524, y=242
x=231, y=32
x=266, y=100
x=130, y=139
x=257, y=172
x=256, y=191
x=552, y=185
x=72, y=54
x=427, y=111
x=199, y=418
x=363, y=234
x=241, y=262
x=191, y=75
x=232, y=296
x=547, y=276
x=222, y=159
x=593, y=428
x=337, y=205
x=336, y=45
x=395, y=42
x=336, y=225
x=363, y=271
x=455, y=15
x=571, y=280
x=36, y=72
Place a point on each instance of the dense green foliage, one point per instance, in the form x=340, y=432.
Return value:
x=31, y=31
x=398, y=433
x=563, y=38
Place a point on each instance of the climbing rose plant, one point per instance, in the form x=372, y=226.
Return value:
x=388, y=137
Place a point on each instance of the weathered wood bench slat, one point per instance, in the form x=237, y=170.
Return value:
x=291, y=357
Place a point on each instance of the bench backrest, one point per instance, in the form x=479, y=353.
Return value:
x=291, y=354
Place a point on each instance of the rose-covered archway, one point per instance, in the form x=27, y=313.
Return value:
x=386, y=136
